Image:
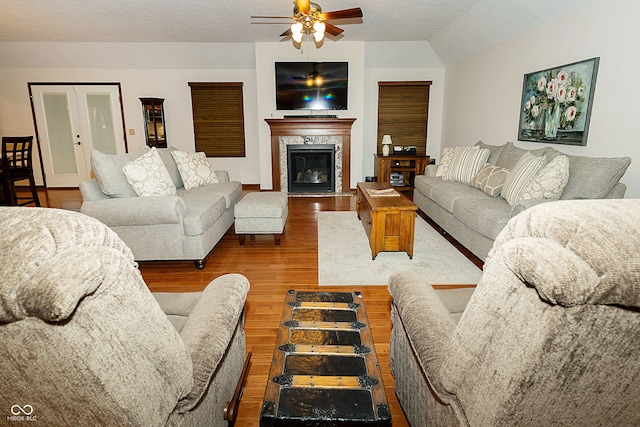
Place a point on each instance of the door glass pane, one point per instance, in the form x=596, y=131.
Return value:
x=101, y=123
x=58, y=123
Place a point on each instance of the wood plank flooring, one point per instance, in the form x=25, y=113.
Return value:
x=271, y=271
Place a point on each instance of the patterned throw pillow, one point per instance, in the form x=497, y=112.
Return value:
x=550, y=181
x=466, y=163
x=445, y=161
x=525, y=170
x=490, y=179
x=149, y=176
x=195, y=169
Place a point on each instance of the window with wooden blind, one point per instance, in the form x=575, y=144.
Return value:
x=403, y=110
x=218, y=118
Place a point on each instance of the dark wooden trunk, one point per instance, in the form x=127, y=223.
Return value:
x=325, y=370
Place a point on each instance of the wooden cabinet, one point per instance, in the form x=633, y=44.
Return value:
x=400, y=171
x=153, y=110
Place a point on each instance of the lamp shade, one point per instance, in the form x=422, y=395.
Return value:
x=296, y=31
x=386, y=142
x=318, y=31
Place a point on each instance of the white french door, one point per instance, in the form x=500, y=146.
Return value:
x=71, y=121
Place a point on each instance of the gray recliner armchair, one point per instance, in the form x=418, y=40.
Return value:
x=550, y=336
x=84, y=341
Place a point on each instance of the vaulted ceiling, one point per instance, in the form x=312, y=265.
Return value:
x=454, y=28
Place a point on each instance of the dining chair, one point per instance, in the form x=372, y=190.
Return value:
x=17, y=166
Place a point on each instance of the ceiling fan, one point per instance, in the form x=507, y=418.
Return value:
x=308, y=18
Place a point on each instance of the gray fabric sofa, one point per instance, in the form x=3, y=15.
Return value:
x=475, y=218
x=84, y=342
x=182, y=227
x=550, y=336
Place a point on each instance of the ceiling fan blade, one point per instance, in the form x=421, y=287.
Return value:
x=332, y=29
x=286, y=33
x=355, y=12
x=269, y=17
x=304, y=6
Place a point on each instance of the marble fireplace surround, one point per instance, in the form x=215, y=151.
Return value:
x=288, y=131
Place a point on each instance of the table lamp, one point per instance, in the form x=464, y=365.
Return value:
x=386, y=142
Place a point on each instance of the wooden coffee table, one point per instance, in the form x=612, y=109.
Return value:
x=389, y=221
x=324, y=369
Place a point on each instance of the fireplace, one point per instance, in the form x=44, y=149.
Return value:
x=311, y=168
x=311, y=131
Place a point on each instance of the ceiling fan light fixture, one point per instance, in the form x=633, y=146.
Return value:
x=318, y=31
x=296, y=31
x=309, y=20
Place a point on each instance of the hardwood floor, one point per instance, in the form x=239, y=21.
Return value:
x=271, y=271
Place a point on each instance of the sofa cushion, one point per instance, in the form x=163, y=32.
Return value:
x=446, y=193
x=510, y=155
x=203, y=209
x=170, y=164
x=487, y=216
x=231, y=191
x=148, y=176
x=490, y=179
x=195, y=169
x=466, y=163
x=593, y=177
x=425, y=183
x=495, y=151
x=550, y=181
x=108, y=171
x=522, y=173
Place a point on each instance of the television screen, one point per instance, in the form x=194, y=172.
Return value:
x=311, y=85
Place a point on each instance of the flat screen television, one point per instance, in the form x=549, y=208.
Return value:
x=312, y=85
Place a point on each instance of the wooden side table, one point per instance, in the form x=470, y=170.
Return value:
x=407, y=166
x=388, y=221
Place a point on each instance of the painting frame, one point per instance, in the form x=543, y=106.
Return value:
x=556, y=103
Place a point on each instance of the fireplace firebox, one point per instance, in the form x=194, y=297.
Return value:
x=311, y=168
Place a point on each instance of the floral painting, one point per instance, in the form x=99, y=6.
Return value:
x=556, y=103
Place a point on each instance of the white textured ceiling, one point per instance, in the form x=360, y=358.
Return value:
x=455, y=28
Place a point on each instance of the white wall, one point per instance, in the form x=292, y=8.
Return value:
x=402, y=61
x=163, y=70
x=268, y=53
x=436, y=99
x=143, y=70
x=482, y=94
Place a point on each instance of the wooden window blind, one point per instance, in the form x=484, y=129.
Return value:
x=218, y=118
x=403, y=111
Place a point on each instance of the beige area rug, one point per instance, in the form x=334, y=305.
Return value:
x=344, y=256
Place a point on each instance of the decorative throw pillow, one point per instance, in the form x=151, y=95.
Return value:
x=195, y=169
x=495, y=151
x=445, y=161
x=107, y=169
x=517, y=180
x=550, y=181
x=466, y=163
x=149, y=176
x=490, y=179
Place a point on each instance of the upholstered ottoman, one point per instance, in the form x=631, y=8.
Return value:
x=261, y=213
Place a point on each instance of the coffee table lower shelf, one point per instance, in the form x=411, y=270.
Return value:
x=324, y=369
